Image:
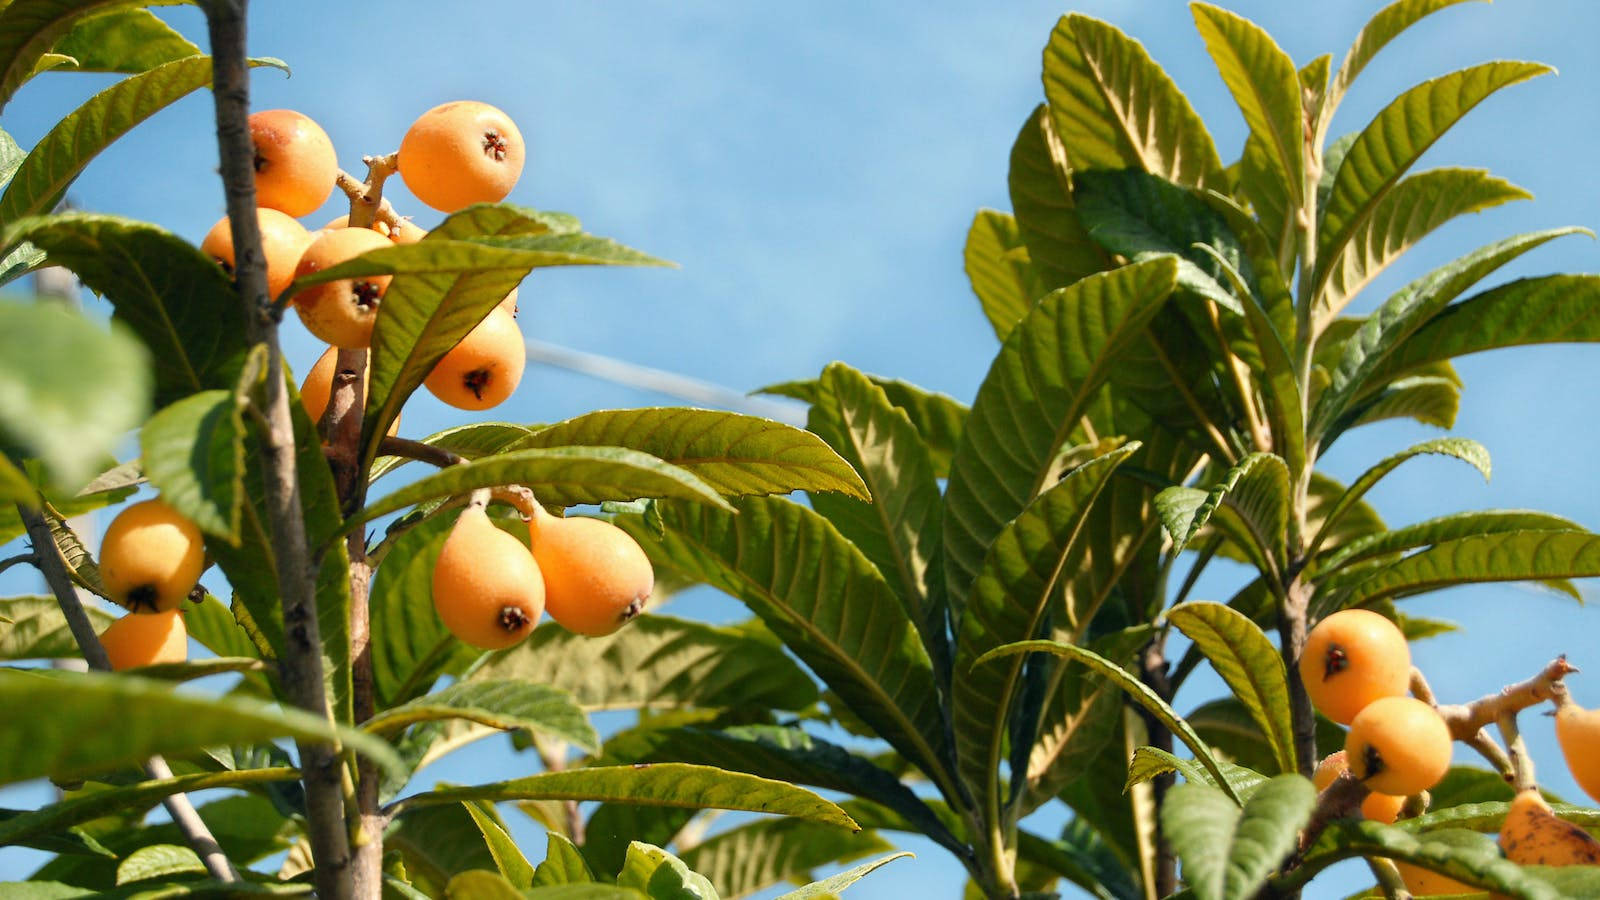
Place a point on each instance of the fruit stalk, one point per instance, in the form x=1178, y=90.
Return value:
x=366, y=198
x=47, y=556
x=300, y=671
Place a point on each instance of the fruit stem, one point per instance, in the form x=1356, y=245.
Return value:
x=47, y=557
x=417, y=450
x=366, y=198
x=1394, y=887
x=1521, y=762
x=1467, y=719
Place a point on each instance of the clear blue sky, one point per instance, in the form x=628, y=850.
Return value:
x=813, y=169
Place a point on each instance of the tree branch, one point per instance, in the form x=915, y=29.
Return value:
x=406, y=448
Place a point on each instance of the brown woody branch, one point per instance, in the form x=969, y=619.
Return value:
x=417, y=450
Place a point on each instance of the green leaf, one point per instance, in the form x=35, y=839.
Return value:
x=1115, y=108
x=662, y=876
x=1130, y=684
x=507, y=858
x=1256, y=517
x=1012, y=600
x=68, y=414
x=212, y=624
x=159, y=861
x=1465, y=449
x=1231, y=730
x=658, y=662
x=74, y=742
x=29, y=29
x=563, y=864
x=896, y=523
x=583, y=892
x=56, y=161
x=1397, y=137
x=122, y=40
x=1057, y=243
x=1228, y=852
x=1381, y=334
x=1246, y=659
x=505, y=705
x=166, y=890
x=174, y=297
x=479, y=884
x=436, y=844
x=1038, y=388
x=827, y=887
x=1382, y=28
x=563, y=476
x=1404, y=215
x=37, y=630
x=1469, y=858
x=997, y=264
x=194, y=452
x=1511, y=556
x=1265, y=85
x=448, y=285
x=661, y=784
x=613, y=827
x=824, y=599
x=732, y=453
x=1150, y=762
x=198, y=668
x=470, y=441
x=1444, y=528
x=939, y=418
x=743, y=860
x=784, y=754
x=1428, y=399
x=92, y=805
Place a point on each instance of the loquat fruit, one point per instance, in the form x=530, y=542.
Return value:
x=1578, y=732
x=283, y=239
x=341, y=312
x=1352, y=658
x=461, y=153
x=151, y=557
x=1378, y=807
x=295, y=163
x=487, y=589
x=1533, y=835
x=1398, y=746
x=146, y=639
x=596, y=577
x=485, y=368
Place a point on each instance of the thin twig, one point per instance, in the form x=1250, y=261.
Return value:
x=10, y=561
x=366, y=198
x=1389, y=880
x=54, y=568
x=405, y=448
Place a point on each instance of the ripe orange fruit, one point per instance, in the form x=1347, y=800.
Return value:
x=151, y=557
x=1398, y=746
x=1375, y=806
x=485, y=368
x=596, y=577
x=282, y=241
x=341, y=312
x=1352, y=658
x=295, y=163
x=317, y=389
x=461, y=153
x=146, y=639
x=487, y=588
x=1578, y=731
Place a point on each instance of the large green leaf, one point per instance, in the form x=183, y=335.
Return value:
x=743, y=860
x=29, y=29
x=1428, y=399
x=1382, y=28
x=451, y=284
x=437, y=843
x=55, y=162
x=1465, y=449
x=72, y=739
x=1381, y=334
x=1246, y=659
x=1115, y=108
x=1057, y=243
x=1013, y=598
x=1404, y=215
x=121, y=40
x=896, y=525
x=505, y=705
x=660, y=784
x=735, y=454
x=563, y=864
x=1511, y=556
x=1474, y=861
x=662, y=876
x=174, y=297
x=1228, y=852
x=507, y=858
x=939, y=418
x=562, y=476
x=1136, y=690
x=1232, y=730
x=612, y=827
x=85, y=807
x=1250, y=504
x=469, y=441
x=34, y=628
x=825, y=600
x=785, y=754
x=832, y=885
x=1445, y=528
x=194, y=455
x=658, y=662
x=997, y=265
x=1265, y=85
x=1038, y=388
x=68, y=414
x=1551, y=309
x=1397, y=137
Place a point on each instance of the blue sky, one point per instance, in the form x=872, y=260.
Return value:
x=813, y=169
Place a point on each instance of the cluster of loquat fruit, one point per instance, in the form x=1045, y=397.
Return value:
x=1357, y=670
x=489, y=589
